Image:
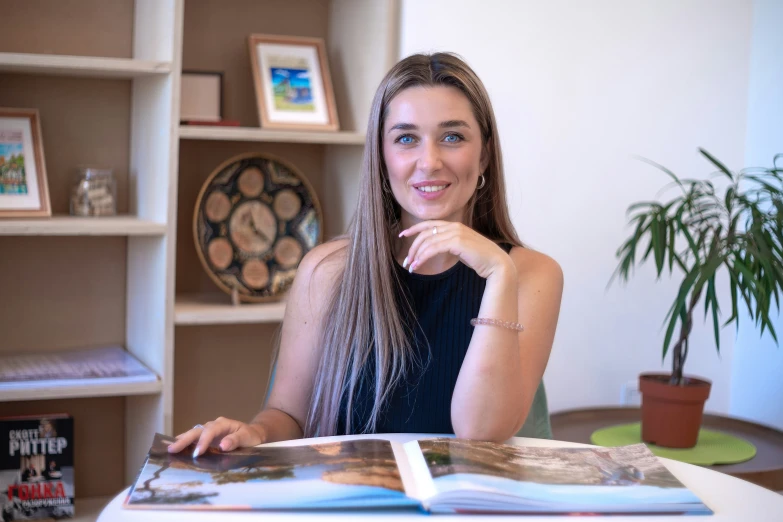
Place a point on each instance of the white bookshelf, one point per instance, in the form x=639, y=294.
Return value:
x=194, y=309
x=206, y=132
x=66, y=85
x=81, y=226
x=150, y=248
x=81, y=66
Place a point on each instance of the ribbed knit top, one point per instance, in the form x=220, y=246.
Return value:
x=443, y=305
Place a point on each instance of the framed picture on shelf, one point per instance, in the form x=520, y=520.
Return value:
x=23, y=187
x=293, y=84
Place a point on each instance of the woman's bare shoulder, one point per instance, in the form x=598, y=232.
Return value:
x=537, y=266
x=328, y=257
x=321, y=266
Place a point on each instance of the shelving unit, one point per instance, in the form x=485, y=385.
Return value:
x=105, y=77
x=361, y=39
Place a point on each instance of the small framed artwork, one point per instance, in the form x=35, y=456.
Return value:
x=23, y=187
x=293, y=84
x=201, y=97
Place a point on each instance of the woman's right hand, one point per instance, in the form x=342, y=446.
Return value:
x=231, y=434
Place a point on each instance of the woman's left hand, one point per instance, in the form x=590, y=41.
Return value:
x=448, y=237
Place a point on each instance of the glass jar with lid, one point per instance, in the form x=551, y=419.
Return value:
x=94, y=192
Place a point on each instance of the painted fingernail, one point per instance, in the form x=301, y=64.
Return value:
x=413, y=265
x=405, y=262
x=401, y=233
x=195, y=452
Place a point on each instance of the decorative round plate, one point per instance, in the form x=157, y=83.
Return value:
x=255, y=218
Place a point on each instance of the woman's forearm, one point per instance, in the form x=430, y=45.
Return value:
x=276, y=425
x=488, y=396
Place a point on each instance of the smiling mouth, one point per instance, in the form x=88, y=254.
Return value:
x=431, y=188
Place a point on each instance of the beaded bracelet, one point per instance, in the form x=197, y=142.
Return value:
x=494, y=322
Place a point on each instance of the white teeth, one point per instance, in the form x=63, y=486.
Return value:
x=435, y=188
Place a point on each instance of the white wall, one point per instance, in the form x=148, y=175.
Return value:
x=578, y=88
x=757, y=378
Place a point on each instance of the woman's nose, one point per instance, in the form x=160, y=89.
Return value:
x=430, y=160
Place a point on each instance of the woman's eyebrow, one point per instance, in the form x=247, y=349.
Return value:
x=443, y=125
x=403, y=126
x=453, y=123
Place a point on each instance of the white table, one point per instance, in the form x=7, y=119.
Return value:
x=730, y=498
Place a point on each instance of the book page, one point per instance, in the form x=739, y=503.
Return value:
x=485, y=476
x=414, y=472
x=347, y=474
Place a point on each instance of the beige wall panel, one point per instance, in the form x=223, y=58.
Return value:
x=216, y=34
x=83, y=121
x=220, y=371
x=99, y=440
x=61, y=292
x=197, y=159
x=77, y=27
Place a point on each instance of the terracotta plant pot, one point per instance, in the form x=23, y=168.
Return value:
x=671, y=415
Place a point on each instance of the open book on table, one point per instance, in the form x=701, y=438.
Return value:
x=441, y=475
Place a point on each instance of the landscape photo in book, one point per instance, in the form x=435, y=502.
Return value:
x=558, y=479
x=329, y=475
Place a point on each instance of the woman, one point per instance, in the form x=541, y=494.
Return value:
x=377, y=335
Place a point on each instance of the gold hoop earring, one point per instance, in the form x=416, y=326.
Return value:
x=483, y=182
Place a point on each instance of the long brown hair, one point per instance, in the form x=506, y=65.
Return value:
x=363, y=318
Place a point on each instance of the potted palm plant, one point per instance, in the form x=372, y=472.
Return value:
x=734, y=225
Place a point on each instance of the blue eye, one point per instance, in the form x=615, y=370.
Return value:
x=405, y=139
x=453, y=138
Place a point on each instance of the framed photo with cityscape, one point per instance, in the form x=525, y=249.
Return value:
x=23, y=186
x=292, y=83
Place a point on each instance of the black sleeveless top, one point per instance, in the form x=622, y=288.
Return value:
x=443, y=305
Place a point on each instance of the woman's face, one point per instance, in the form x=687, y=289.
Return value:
x=433, y=153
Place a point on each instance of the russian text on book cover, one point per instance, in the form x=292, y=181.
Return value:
x=36, y=467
